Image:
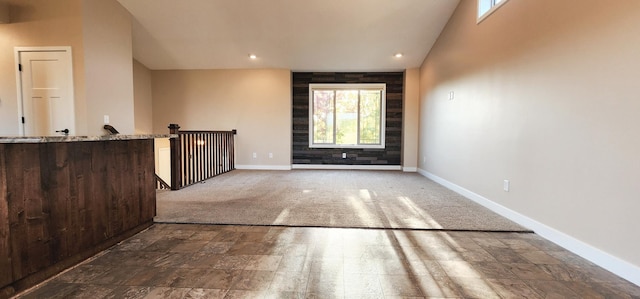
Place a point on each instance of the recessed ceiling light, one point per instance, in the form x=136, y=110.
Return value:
x=398, y=55
x=253, y=56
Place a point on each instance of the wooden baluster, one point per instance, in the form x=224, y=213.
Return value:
x=212, y=154
x=226, y=151
x=220, y=146
x=220, y=164
x=185, y=159
x=216, y=168
x=196, y=158
x=232, y=151
x=200, y=161
x=175, y=150
x=191, y=156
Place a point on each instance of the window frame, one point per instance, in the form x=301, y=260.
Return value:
x=493, y=6
x=348, y=86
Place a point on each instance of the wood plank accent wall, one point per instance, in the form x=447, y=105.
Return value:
x=390, y=155
x=63, y=202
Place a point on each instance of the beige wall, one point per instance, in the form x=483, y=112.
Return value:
x=546, y=96
x=108, y=63
x=99, y=33
x=255, y=102
x=410, y=121
x=36, y=23
x=142, y=99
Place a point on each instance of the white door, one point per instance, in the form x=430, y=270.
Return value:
x=46, y=87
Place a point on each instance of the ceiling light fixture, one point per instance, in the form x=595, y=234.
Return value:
x=398, y=55
x=253, y=56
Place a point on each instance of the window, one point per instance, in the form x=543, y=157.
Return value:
x=487, y=7
x=347, y=115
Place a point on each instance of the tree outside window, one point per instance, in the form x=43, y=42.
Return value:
x=347, y=115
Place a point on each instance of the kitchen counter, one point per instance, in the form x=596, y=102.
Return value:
x=46, y=139
x=66, y=198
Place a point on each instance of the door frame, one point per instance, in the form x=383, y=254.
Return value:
x=19, y=97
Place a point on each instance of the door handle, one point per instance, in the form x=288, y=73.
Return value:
x=65, y=131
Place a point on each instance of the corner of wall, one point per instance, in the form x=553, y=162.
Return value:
x=411, y=118
x=108, y=65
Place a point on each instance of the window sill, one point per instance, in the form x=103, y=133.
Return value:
x=348, y=146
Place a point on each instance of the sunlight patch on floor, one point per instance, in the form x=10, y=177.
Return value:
x=416, y=250
x=282, y=217
x=359, y=208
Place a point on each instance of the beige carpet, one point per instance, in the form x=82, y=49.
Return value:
x=331, y=198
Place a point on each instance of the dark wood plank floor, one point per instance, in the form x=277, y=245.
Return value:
x=218, y=261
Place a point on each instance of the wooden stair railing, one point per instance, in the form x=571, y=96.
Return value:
x=200, y=155
x=161, y=184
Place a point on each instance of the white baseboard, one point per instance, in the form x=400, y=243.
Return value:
x=409, y=169
x=346, y=167
x=264, y=167
x=603, y=259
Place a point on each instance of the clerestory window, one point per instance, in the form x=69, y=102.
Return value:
x=487, y=7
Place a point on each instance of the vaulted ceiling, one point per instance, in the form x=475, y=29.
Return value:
x=301, y=35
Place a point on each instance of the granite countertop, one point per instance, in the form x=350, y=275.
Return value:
x=45, y=139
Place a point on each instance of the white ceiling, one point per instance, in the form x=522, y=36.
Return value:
x=301, y=35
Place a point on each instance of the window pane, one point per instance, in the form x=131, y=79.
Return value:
x=323, y=116
x=484, y=6
x=346, y=117
x=370, y=101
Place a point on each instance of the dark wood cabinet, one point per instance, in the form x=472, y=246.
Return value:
x=62, y=202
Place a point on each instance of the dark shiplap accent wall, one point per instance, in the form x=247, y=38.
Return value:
x=390, y=155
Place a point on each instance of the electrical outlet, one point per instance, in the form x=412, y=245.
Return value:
x=106, y=119
x=344, y=155
x=505, y=185
x=270, y=155
x=255, y=155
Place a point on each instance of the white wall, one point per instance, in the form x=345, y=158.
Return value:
x=255, y=102
x=546, y=96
